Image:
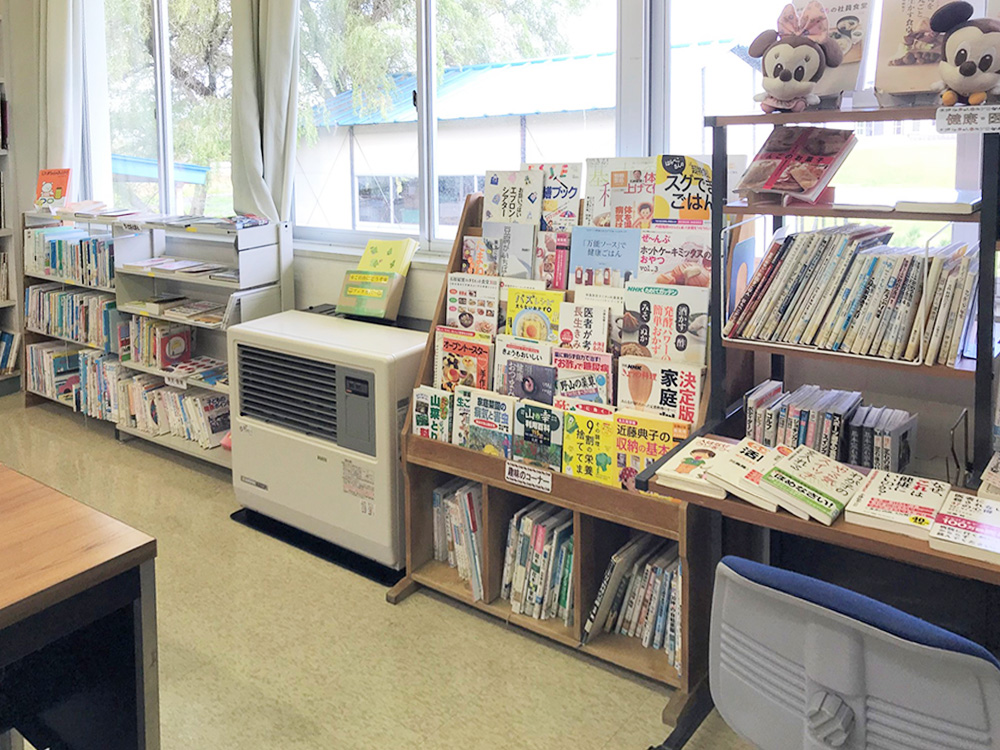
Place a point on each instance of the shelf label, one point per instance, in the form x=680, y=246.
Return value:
x=982, y=119
x=529, y=477
x=131, y=226
x=175, y=382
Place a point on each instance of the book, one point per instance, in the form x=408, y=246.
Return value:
x=491, y=424
x=619, y=564
x=682, y=191
x=388, y=256
x=530, y=381
x=538, y=435
x=432, y=413
x=511, y=348
x=572, y=364
x=371, y=294
x=477, y=258
x=582, y=386
x=614, y=299
x=603, y=256
x=851, y=28
x=52, y=190
x=462, y=360
x=472, y=302
x=665, y=322
x=641, y=439
x=510, y=550
x=686, y=469
x=583, y=327
x=533, y=314
x=567, y=403
x=665, y=388
x=957, y=202
x=633, y=182
x=506, y=284
x=512, y=248
x=561, y=193
x=908, y=49
x=680, y=255
x=513, y=197
x=966, y=525
x=461, y=415
x=597, y=191
x=552, y=259
x=589, y=448
x=439, y=495
x=798, y=161
x=811, y=482
x=897, y=502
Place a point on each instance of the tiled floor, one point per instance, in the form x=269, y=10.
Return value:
x=264, y=646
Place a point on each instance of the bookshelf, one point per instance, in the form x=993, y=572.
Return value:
x=603, y=518
x=11, y=319
x=980, y=370
x=261, y=255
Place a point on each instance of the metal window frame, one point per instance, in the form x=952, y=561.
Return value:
x=164, y=104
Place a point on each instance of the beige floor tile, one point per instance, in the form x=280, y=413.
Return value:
x=263, y=645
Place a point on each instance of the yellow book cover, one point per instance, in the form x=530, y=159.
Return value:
x=388, y=256
x=641, y=438
x=533, y=313
x=683, y=191
x=589, y=448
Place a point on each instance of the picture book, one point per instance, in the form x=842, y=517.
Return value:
x=851, y=28
x=686, y=469
x=463, y=361
x=797, y=161
x=641, y=439
x=683, y=191
x=566, y=403
x=669, y=389
x=589, y=447
x=533, y=314
x=512, y=246
x=665, y=322
x=510, y=348
x=678, y=254
x=811, y=482
x=898, y=503
x=633, y=182
x=908, y=49
x=461, y=415
x=561, y=193
x=513, y=197
x=477, y=258
x=432, y=413
x=966, y=525
x=531, y=381
x=583, y=327
x=603, y=257
x=53, y=188
x=583, y=386
x=598, y=364
x=440, y=333
x=388, y=256
x=506, y=284
x=491, y=424
x=472, y=302
x=552, y=259
x=538, y=437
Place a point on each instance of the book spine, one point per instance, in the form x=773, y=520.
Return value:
x=745, y=322
x=566, y=583
x=952, y=317
x=867, y=446
x=589, y=625
x=661, y=614
x=628, y=626
x=647, y=594
x=895, y=344
x=941, y=320
x=874, y=302
x=616, y=604
x=858, y=295
x=654, y=607
x=961, y=322
x=626, y=609
x=838, y=308
x=757, y=279
x=891, y=310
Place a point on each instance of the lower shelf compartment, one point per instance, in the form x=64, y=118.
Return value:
x=217, y=456
x=619, y=650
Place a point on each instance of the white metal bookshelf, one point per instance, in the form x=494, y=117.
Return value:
x=261, y=255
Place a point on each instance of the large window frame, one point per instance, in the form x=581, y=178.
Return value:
x=642, y=59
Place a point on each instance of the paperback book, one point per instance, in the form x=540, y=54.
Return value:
x=552, y=259
x=671, y=390
x=533, y=314
x=679, y=255
x=530, y=381
x=506, y=284
x=538, y=435
x=571, y=363
x=665, y=322
x=583, y=327
x=472, y=302
x=510, y=348
x=813, y=483
x=512, y=246
x=742, y=467
x=683, y=191
x=477, y=258
x=686, y=470
x=797, y=161
x=491, y=424
x=461, y=415
x=561, y=186
x=513, y=197
x=641, y=439
x=589, y=448
x=897, y=502
x=462, y=360
x=966, y=525
x=565, y=403
x=603, y=257
x=432, y=413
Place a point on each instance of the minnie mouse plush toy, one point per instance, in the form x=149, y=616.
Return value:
x=794, y=58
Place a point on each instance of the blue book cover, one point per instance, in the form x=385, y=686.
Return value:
x=602, y=256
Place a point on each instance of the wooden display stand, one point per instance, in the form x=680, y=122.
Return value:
x=603, y=517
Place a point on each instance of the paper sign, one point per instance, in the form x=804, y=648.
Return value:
x=982, y=119
x=528, y=477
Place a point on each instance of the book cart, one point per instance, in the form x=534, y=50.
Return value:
x=262, y=255
x=603, y=518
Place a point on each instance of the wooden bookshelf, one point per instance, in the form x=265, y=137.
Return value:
x=965, y=369
x=833, y=211
x=822, y=116
x=603, y=519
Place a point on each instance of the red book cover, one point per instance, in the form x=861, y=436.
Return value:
x=174, y=347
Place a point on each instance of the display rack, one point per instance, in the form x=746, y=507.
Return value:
x=986, y=218
x=10, y=309
x=261, y=255
x=603, y=517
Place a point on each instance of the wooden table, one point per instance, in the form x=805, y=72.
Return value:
x=77, y=623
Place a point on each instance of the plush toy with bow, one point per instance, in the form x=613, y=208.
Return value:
x=794, y=58
x=970, y=67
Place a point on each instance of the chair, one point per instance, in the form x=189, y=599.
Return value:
x=799, y=663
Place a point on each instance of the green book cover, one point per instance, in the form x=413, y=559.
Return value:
x=371, y=294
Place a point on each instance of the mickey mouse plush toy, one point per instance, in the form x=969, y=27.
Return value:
x=970, y=68
x=794, y=58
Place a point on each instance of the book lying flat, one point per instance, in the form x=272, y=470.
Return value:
x=686, y=469
x=898, y=503
x=808, y=481
x=966, y=525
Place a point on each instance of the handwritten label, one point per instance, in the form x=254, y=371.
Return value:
x=528, y=477
x=982, y=119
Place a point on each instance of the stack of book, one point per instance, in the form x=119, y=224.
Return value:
x=640, y=596
x=843, y=290
x=99, y=376
x=458, y=519
x=538, y=563
x=147, y=404
x=70, y=254
x=85, y=317
x=835, y=423
x=202, y=312
x=10, y=345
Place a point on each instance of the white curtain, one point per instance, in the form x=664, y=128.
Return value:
x=60, y=88
x=265, y=105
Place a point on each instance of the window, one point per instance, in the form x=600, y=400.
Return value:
x=532, y=80
x=185, y=123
